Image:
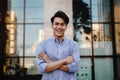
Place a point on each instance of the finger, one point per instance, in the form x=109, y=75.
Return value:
x=39, y=55
x=44, y=57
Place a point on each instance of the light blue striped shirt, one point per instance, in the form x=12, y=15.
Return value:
x=55, y=51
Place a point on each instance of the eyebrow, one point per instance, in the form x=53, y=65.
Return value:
x=60, y=23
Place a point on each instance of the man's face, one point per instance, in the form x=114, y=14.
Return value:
x=59, y=27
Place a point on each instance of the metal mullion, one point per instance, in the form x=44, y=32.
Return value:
x=92, y=50
x=24, y=34
x=21, y=57
x=113, y=39
x=98, y=56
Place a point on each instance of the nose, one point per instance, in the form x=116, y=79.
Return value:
x=59, y=26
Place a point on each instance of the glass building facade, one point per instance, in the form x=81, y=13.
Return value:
x=94, y=25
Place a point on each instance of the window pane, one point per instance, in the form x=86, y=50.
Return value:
x=34, y=12
x=11, y=45
x=102, y=39
x=104, y=69
x=17, y=7
x=33, y=34
x=20, y=40
x=117, y=10
x=85, y=48
x=30, y=64
x=84, y=72
x=101, y=11
x=11, y=66
x=83, y=37
x=82, y=28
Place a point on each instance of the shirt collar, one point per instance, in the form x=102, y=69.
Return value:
x=56, y=41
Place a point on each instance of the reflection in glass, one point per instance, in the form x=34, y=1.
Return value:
x=117, y=11
x=34, y=12
x=82, y=27
x=20, y=40
x=34, y=34
x=12, y=37
x=10, y=67
x=102, y=39
x=17, y=6
x=12, y=31
x=11, y=44
x=104, y=69
x=101, y=11
x=30, y=65
x=12, y=51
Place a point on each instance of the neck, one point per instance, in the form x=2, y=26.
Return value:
x=59, y=39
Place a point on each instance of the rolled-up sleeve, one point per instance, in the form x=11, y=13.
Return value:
x=41, y=64
x=73, y=67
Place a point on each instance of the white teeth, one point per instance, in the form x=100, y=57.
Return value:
x=58, y=30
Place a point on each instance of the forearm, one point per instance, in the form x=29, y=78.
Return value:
x=64, y=68
x=52, y=66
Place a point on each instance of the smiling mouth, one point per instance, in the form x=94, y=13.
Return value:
x=58, y=31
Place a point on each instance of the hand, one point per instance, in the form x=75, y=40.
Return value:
x=43, y=56
x=69, y=60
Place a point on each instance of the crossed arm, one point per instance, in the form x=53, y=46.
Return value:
x=54, y=65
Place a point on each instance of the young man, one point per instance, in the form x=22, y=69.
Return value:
x=58, y=57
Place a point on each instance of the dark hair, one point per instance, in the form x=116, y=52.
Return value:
x=62, y=15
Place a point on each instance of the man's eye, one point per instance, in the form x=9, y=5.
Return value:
x=56, y=23
x=62, y=24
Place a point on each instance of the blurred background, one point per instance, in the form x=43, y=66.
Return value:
x=94, y=25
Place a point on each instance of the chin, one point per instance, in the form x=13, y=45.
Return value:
x=59, y=36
